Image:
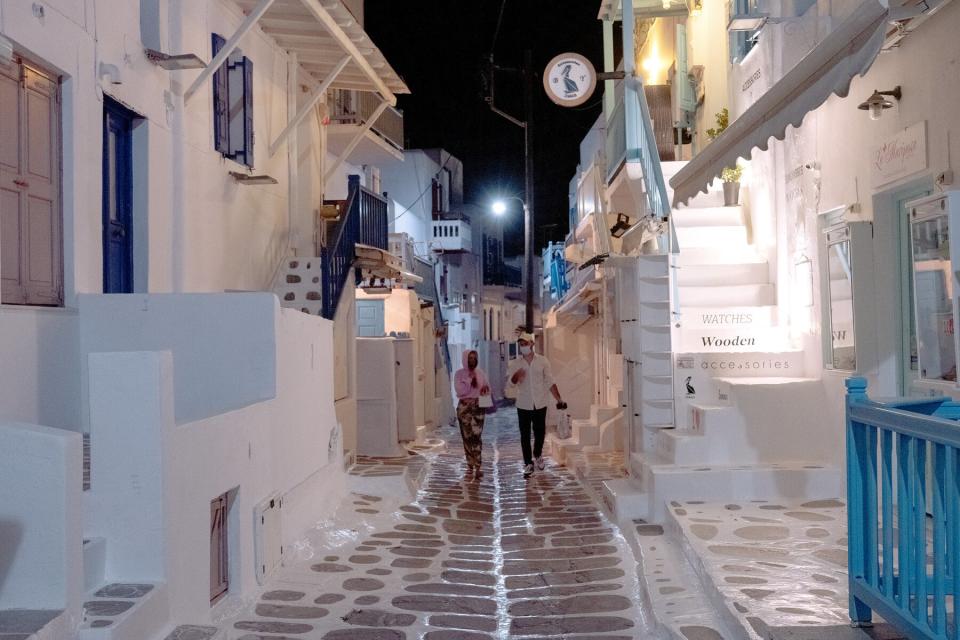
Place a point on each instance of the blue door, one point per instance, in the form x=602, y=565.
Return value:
x=117, y=198
x=370, y=318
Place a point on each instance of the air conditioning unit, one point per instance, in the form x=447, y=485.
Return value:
x=267, y=539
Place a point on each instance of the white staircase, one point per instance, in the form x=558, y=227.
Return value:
x=721, y=407
x=599, y=432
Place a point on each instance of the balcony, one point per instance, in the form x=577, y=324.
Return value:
x=349, y=112
x=451, y=232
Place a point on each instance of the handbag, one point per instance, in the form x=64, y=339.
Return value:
x=486, y=402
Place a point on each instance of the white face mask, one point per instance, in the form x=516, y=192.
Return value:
x=526, y=349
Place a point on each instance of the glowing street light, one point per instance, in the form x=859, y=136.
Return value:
x=499, y=207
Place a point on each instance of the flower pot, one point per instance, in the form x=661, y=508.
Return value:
x=731, y=194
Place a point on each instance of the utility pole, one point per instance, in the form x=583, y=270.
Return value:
x=528, y=78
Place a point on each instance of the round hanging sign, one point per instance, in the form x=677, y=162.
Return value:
x=569, y=79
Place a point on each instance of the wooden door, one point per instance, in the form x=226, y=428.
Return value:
x=31, y=248
x=219, y=574
x=117, y=198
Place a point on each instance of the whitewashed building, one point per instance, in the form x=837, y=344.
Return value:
x=733, y=327
x=164, y=171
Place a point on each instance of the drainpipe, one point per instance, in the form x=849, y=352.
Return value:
x=293, y=154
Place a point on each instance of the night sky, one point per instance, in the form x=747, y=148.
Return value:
x=436, y=46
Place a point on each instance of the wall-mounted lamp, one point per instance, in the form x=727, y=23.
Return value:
x=695, y=7
x=876, y=103
x=177, y=62
x=110, y=72
x=244, y=178
x=621, y=227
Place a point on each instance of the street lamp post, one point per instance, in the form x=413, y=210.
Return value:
x=528, y=77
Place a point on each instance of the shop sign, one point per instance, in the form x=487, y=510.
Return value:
x=569, y=79
x=902, y=155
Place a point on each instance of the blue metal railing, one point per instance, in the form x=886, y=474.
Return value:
x=364, y=222
x=903, y=563
x=616, y=146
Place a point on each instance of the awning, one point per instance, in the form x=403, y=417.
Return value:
x=329, y=43
x=829, y=68
x=380, y=263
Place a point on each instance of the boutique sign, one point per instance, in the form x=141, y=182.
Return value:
x=902, y=155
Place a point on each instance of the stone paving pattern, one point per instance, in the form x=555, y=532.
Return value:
x=777, y=564
x=467, y=560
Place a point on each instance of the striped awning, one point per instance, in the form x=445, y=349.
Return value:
x=828, y=69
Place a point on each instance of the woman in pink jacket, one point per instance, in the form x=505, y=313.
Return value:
x=470, y=383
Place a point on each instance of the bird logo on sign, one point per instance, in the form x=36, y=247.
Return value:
x=570, y=86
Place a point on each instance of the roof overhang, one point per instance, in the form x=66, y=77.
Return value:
x=322, y=33
x=380, y=263
x=848, y=51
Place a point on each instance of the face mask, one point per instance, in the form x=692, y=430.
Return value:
x=526, y=350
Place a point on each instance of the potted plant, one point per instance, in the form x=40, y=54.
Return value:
x=730, y=175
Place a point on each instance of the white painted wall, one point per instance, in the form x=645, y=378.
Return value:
x=409, y=185
x=41, y=564
x=837, y=140
x=40, y=363
x=223, y=343
x=279, y=445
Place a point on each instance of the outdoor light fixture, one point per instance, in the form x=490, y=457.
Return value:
x=876, y=103
x=666, y=4
x=244, y=178
x=177, y=62
x=695, y=7
x=499, y=207
x=621, y=227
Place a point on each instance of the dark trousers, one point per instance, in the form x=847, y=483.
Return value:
x=536, y=418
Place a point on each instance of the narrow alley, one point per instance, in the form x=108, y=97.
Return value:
x=502, y=557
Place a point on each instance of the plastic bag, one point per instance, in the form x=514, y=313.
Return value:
x=564, y=426
x=486, y=401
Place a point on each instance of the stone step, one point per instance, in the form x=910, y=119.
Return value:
x=767, y=339
x=747, y=318
x=716, y=255
x=729, y=237
x=715, y=275
x=707, y=217
x=742, y=295
x=767, y=481
x=124, y=611
x=680, y=604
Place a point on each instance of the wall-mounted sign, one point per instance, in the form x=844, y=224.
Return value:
x=569, y=79
x=900, y=156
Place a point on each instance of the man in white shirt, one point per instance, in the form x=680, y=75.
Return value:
x=531, y=380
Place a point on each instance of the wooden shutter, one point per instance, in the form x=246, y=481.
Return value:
x=221, y=101
x=247, y=112
x=31, y=253
x=219, y=553
x=685, y=96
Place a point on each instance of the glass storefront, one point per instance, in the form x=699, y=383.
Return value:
x=933, y=295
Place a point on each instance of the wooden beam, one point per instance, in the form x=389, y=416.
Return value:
x=231, y=45
x=324, y=17
x=356, y=139
x=309, y=105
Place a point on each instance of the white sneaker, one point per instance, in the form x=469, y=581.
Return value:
x=528, y=471
x=540, y=464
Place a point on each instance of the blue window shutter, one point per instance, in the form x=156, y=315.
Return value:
x=248, y=112
x=684, y=86
x=221, y=101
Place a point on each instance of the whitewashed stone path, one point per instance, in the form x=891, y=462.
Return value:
x=502, y=557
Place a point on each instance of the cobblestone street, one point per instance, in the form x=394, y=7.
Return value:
x=467, y=560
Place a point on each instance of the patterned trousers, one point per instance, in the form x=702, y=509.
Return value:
x=471, y=418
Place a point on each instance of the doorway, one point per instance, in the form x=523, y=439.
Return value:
x=909, y=368
x=219, y=548
x=118, y=125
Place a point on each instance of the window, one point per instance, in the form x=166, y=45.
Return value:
x=933, y=294
x=741, y=42
x=233, y=106
x=31, y=248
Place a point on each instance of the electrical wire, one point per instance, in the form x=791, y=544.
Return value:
x=425, y=189
x=496, y=32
